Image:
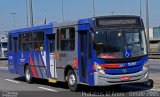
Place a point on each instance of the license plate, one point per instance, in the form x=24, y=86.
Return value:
x=125, y=78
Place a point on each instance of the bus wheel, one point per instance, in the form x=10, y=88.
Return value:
x=28, y=74
x=72, y=81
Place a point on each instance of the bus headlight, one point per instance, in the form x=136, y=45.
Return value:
x=146, y=66
x=98, y=68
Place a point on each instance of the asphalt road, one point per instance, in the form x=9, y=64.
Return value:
x=11, y=85
x=154, y=66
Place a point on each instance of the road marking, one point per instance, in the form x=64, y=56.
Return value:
x=12, y=81
x=47, y=89
x=142, y=88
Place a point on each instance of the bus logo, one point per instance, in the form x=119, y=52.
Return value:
x=121, y=65
x=127, y=53
x=124, y=71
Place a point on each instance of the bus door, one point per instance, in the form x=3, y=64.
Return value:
x=12, y=54
x=83, y=47
x=51, y=39
x=15, y=52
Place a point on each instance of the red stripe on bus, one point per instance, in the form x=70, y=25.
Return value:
x=108, y=66
x=33, y=68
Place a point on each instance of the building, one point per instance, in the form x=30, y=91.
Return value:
x=154, y=37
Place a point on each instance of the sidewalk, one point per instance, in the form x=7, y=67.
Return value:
x=3, y=63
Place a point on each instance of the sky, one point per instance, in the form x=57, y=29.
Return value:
x=73, y=10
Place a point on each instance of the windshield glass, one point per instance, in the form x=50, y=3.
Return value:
x=4, y=45
x=120, y=43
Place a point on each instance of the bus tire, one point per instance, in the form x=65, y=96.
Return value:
x=28, y=75
x=72, y=81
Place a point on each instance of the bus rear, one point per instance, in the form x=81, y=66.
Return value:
x=119, y=51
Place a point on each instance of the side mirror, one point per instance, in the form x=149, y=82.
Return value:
x=92, y=37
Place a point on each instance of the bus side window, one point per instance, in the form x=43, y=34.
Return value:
x=20, y=42
x=26, y=42
x=10, y=42
x=51, y=43
x=90, y=46
x=67, y=39
x=38, y=41
x=57, y=39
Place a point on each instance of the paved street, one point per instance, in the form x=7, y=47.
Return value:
x=12, y=84
x=154, y=65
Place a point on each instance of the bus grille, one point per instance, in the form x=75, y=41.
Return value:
x=128, y=70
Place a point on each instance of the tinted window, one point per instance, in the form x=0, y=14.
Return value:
x=15, y=44
x=51, y=43
x=25, y=41
x=89, y=46
x=20, y=43
x=114, y=43
x=10, y=43
x=57, y=39
x=67, y=39
x=38, y=41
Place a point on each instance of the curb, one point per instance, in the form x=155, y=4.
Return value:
x=3, y=65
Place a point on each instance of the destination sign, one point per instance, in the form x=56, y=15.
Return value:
x=118, y=21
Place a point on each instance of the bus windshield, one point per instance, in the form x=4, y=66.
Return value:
x=113, y=43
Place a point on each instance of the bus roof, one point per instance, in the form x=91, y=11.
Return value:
x=119, y=16
x=34, y=28
x=67, y=23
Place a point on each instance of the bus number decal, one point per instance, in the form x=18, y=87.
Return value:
x=132, y=64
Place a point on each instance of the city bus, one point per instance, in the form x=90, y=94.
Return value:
x=98, y=51
x=3, y=47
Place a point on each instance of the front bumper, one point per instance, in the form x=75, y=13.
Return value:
x=107, y=79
